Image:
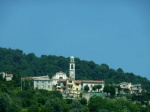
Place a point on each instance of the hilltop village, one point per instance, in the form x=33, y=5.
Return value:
x=64, y=93
x=70, y=87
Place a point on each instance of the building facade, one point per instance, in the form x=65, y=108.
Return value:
x=42, y=82
x=58, y=76
x=128, y=88
x=8, y=77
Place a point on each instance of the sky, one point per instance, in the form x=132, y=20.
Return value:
x=115, y=32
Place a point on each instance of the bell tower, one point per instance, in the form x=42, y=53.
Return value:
x=72, y=68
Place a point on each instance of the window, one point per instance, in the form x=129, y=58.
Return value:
x=48, y=86
x=77, y=84
x=60, y=77
x=77, y=89
x=70, y=86
x=71, y=66
x=70, y=81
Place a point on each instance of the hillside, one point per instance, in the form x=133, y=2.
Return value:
x=17, y=62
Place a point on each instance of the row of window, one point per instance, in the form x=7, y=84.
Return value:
x=42, y=87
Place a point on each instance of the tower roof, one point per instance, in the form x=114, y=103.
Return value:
x=71, y=57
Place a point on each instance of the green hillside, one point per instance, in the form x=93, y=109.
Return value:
x=17, y=62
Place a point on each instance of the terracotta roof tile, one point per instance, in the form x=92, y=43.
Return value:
x=9, y=75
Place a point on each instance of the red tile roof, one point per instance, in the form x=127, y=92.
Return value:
x=62, y=80
x=94, y=81
x=9, y=75
x=78, y=81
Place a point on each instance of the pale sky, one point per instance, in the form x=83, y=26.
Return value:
x=115, y=32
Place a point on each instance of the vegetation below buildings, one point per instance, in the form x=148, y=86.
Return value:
x=21, y=64
x=13, y=99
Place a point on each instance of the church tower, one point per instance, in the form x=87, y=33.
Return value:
x=72, y=68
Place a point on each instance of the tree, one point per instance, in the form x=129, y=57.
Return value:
x=83, y=101
x=33, y=108
x=76, y=106
x=86, y=88
x=119, y=70
x=96, y=103
x=54, y=105
x=14, y=108
x=1, y=77
x=98, y=87
x=126, y=105
x=110, y=89
x=94, y=88
x=106, y=89
x=43, y=109
x=5, y=102
x=104, y=68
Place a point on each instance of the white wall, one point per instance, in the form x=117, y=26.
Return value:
x=43, y=84
x=91, y=84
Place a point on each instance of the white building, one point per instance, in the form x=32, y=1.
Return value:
x=137, y=89
x=92, y=83
x=42, y=82
x=58, y=76
x=126, y=87
x=72, y=68
x=8, y=77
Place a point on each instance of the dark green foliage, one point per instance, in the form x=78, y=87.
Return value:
x=14, y=108
x=98, y=104
x=144, y=97
x=76, y=106
x=86, y=88
x=3, y=87
x=53, y=105
x=65, y=106
x=85, y=109
x=83, y=101
x=98, y=87
x=94, y=88
x=109, y=89
x=5, y=102
x=1, y=77
x=56, y=94
x=26, y=84
x=33, y=108
x=68, y=101
x=43, y=109
x=123, y=105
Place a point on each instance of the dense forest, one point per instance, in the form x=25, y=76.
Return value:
x=16, y=100
x=19, y=63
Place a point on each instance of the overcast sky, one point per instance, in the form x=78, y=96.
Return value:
x=115, y=32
